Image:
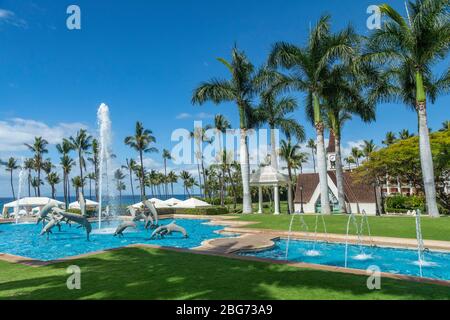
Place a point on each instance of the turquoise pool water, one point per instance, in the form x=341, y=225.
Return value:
x=391, y=260
x=24, y=240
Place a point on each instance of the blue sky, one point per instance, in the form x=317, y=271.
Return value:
x=144, y=58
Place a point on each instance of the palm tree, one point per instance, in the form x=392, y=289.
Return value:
x=368, y=148
x=141, y=142
x=349, y=160
x=39, y=147
x=172, y=178
x=94, y=159
x=78, y=184
x=310, y=70
x=66, y=164
x=405, y=134
x=356, y=154
x=92, y=177
x=199, y=136
x=240, y=89
x=274, y=112
x=185, y=176
x=12, y=165
x=29, y=166
x=408, y=48
x=81, y=143
x=389, y=139
x=131, y=167
x=53, y=179
x=294, y=158
x=166, y=156
x=36, y=183
x=312, y=145
x=445, y=125
x=120, y=186
x=221, y=125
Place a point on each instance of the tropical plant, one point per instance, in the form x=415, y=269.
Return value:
x=12, y=165
x=91, y=177
x=39, y=147
x=53, y=179
x=368, y=148
x=130, y=167
x=78, y=184
x=29, y=166
x=172, y=178
x=141, y=142
x=408, y=48
x=66, y=164
x=240, y=89
x=166, y=155
x=120, y=186
x=312, y=145
x=405, y=134
x=94, y=159
x=356, y=154
x=350, y=160
x=185, y=177
x=389, y=139
x=81, y=143
x=445, y=125
x=310, y=71
x=36, y=183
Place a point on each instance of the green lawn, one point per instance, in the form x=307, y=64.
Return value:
x=135, y=273
x=400, y=227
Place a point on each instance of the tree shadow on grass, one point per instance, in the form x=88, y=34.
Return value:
x=137, y=273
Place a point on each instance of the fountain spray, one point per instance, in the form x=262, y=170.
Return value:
x=22, y=175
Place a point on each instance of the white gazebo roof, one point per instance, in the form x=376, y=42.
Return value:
x=192, y=203
x=31, y=202
x=268, y=176
x=156, y=202
x=89, y=203
x=172, y=202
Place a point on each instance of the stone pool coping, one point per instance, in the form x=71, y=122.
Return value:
x=253, y=239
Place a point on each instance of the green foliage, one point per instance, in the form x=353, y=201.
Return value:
x=211, y=211
x=403, y=203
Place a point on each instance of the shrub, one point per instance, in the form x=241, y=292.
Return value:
x=402, y=204
x=210, y=211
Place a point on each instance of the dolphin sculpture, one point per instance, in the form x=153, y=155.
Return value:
x=153, y=215
x=82, y=221
x=168, y=230
x=123, y=226
x=49, y=226
x=82, y=202
x=46, y=210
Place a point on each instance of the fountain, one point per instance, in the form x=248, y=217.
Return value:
x=105, y=143
x=421, y=262
x=22, y=175
x=362, y=256
x=302, y=225
x=313, y=252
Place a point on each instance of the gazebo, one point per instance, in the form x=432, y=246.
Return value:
x=90, y=205
x=268, y=176
x=28, y=204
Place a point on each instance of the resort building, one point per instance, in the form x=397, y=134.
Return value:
x=358, y=196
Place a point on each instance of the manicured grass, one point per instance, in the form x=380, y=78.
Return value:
x=400, y=227
x=135, y=273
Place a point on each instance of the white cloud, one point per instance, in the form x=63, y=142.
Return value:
x=201, y=115
x=184, y=115
x=14, y=133
x=9, y=17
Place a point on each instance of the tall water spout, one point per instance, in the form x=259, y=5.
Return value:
x=22, y=175
x=105, y=146
x=302, y=225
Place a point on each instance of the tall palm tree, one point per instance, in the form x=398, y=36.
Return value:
x=94, y=159
x=91, y=177
x=368, y=148
x=312, y=145
x=172, y=178
x=81, y=143
x=240, y=89
x=445, y=125
x=185, y=177
x=36, y=183
x=405, y=134
x=78, y=184
x=166, y=155
x=66, y=164
x=390, y=139
x=53, y=179
x=199, y=136
x=131, y=167
x=310, y=70
x=274, y=111
x=12, y=165
x=120, y=186
x=29, y=166
x=221, y=125
x=141, y=141
x=291, y=154
x=349, y=160
x=39, y=147
x=408, y=48
x=356, y=154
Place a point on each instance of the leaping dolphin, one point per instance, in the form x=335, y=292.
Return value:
x=153, y=215
x=81, y=220
x=123, y=226
x=46, y=210
x=49, y=226
x=82, y=202
x=168, y=230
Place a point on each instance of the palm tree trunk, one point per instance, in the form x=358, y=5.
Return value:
x=90, y=188
x=81, y=172
x=165, y=178
x=314, y=159
x=53, y=192
x=322, y=168
x=340, y=175
x=273, y=150
x=142, y=176
x=245, y=172
x=199, y=177
x=29, y=183
x=426, y=160
x=233, y=186
x=12, y=185
x=131, y=184
x=291, y=204
x=39, y=182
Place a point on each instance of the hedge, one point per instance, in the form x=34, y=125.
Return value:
x=210, y=211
